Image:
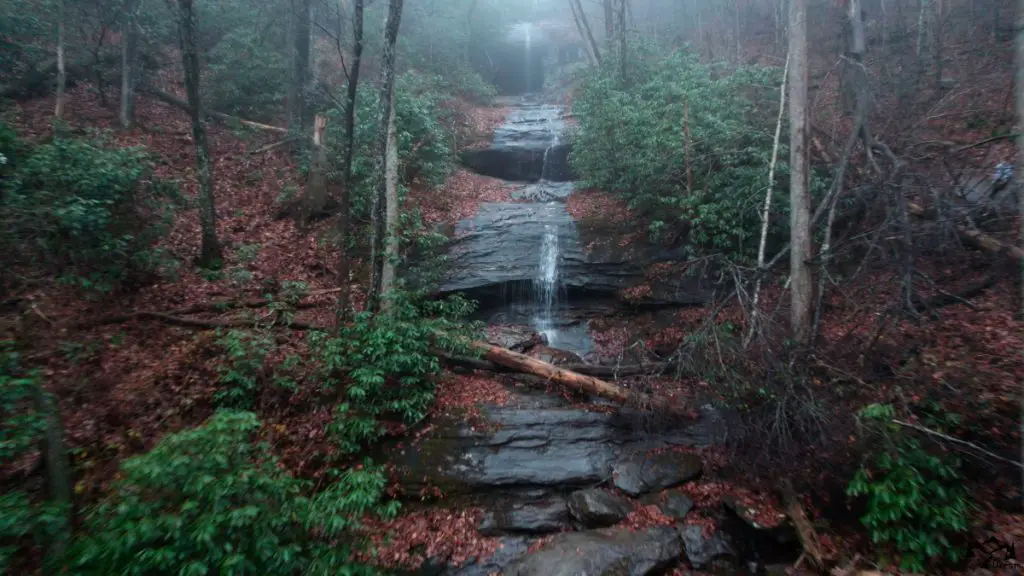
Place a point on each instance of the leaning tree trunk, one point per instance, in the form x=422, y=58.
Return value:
x=210, y=253
x=62, y=78
x=586, y=32
x=391, y=209
x=377, y=251
x=1020, y=138
x=297, y=106
x=800, y=199
x=129, y=51
x=350, y=129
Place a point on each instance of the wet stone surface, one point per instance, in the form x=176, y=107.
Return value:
x=551, y=515
x=617, y=551
x=643, y=473
x=596, y=508
x=517, y=447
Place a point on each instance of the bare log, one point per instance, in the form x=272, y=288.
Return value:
x=804, y=530
x=178, y=103
x=974, y=237
x=611, y=372
x=569, y=379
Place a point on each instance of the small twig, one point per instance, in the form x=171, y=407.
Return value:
x=958, y=442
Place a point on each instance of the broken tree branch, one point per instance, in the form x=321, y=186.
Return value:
x=804, y=529
x=612, y=372
x=963, y=443
x=178, y=103
x=973, y=236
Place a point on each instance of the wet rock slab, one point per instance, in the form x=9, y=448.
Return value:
x=528, y=147
x=643, y=473
x=526, y=518
x=620, y=552
x=596, y=508
x=545, y=448
x=703, y=551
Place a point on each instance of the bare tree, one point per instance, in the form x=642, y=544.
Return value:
x=62, y=78
x=129, y=56
x=301, y=11
x=210, y=254
x=380, y=232
x=1020, y=132
x=316, y=184
x=391, y=207
x=350, y=130
x=802, y=283
x=585, y=31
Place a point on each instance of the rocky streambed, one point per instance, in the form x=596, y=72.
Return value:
x=569, y=489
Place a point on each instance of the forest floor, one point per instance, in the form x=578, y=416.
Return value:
x=124, y=386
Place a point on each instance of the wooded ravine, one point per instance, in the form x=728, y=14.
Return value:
x=522, y=287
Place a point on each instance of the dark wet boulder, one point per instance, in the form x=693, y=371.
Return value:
x=509, y=550
x=596, y=508
x=643, y=473
x=770, y=538
x=526, y=518
x=676, y=505
x=603, y=553
x=703, y=551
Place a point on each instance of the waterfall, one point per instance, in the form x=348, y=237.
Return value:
x=544, y=163
x=545, y=283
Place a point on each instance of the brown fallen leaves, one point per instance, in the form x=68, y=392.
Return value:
x=408, y=541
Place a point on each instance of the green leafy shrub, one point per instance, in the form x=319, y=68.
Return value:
x=916, y=501
x=23, y=519
x=210, y=500
x=243, y=367
x=424, y=139
x=248, y=77
x=86, y=212
x=388, y=364
x=633, y=143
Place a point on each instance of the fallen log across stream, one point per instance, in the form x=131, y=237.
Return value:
x=613, y=372
x=492, y=355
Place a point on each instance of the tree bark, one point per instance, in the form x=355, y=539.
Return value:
x=609, y=20
x=350, y=123
x=129, y=51
x=586, y=30
x=58, y=473
x=316, y=185
x=768, y=205
x=297, y=88
x=379, y=234
x=1020, y=142
x=390, y=259
x=210, y=253
x=572, y=380
x=587, y=47
x=62, y=79
x=802, y=284
x=622, y=44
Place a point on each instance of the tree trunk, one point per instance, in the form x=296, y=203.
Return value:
x=391, y=209
x=622, y=44
x=62, y=78
x=129, y=50
x=297, y=87
x=586, y=30
x=377, y=250
x=350, y=129
x=609, y=20
x=316, y=185
x=1020, y=137
x=800, y=201
x=210, y=254
x=587, y=46
x=58, y=473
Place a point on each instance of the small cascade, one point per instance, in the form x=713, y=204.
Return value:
x=546, y=285
x=544, y=165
